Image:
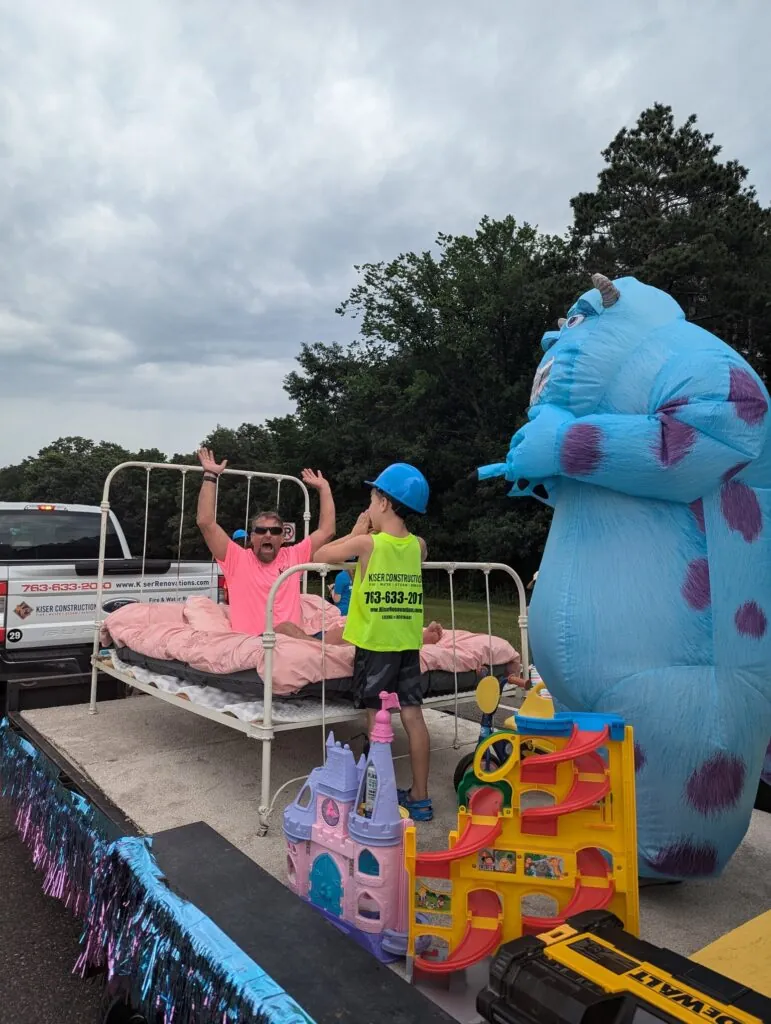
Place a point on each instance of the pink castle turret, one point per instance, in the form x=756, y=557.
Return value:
x=345, y=841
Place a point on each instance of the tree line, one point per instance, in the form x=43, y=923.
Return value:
x=448, y=342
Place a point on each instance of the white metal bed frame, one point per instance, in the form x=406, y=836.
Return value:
x=265, y=729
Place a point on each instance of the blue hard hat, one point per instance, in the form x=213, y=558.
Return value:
x=405, y=485
x=239, y=535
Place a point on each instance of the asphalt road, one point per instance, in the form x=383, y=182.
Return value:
x=39, y=944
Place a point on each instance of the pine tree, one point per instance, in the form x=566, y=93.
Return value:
x=667, y=211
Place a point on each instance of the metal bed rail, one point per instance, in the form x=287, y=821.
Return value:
x=149, y=467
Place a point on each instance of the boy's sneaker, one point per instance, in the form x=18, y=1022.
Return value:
x=418, y=810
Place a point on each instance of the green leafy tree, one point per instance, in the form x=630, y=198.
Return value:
x=667, y=211
x=440, y=377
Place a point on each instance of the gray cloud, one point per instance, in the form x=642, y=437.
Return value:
x=185, y=187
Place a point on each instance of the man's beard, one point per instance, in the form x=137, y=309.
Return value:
x=267, y=553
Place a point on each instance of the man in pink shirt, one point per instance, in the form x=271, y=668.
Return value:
x=251, y=572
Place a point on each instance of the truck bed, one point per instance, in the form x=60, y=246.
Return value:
x=164, y=768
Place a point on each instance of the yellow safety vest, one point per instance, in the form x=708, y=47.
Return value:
x=386, y=609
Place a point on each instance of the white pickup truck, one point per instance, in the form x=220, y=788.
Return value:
x=48, y=582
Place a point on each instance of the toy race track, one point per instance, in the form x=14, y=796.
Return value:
x=591, y=864
x=579, y=851
x=485, y=804
x=581, y=749
x=483, y=933
x=481, y=939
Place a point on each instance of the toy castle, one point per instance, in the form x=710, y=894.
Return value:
x=345, y=842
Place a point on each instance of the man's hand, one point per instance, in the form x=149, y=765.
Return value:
x=314, y=479
x=363, y=525
x=216, y=539
x=209, y=463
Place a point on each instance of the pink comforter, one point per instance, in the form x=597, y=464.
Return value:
x=199, y=634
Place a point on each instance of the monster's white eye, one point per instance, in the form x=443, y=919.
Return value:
x=575, y=320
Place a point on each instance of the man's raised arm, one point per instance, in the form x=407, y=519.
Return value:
x=216, y=539
x=327, y=527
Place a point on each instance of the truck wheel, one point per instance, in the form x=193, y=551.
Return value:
x=116, y=1008
x=763, y=799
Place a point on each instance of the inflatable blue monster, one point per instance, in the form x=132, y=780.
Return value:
x=650, y=438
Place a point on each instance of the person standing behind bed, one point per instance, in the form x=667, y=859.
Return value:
x=385, y=617
x=341, y=589
x=251, y=571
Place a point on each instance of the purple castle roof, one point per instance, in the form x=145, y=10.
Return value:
x=338, y=778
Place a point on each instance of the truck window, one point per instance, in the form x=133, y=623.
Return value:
x=52, y=536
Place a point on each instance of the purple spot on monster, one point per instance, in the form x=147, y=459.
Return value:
x=717, y=785
x=581, y=450
x=695, y=589
x=749, y=401
x=640, y=760
x=676, y=439
x=735, y=471
x=673, y=403
x=685, y=859
x=697, y=507
x=751, y=620
x=741, y=509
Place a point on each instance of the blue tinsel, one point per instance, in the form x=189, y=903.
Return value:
x=174, y=960
x=180, y=963
x=64, y=833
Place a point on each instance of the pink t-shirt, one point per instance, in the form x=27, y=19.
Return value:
x=249, y=581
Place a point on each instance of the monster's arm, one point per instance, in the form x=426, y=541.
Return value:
x=703, y=422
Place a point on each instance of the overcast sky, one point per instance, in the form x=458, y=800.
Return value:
x=185, y=185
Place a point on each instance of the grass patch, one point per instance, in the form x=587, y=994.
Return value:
x=472, y=615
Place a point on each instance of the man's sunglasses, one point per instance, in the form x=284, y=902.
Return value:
x=274, y=531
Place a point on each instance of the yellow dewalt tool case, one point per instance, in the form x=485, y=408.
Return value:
x=590, y=971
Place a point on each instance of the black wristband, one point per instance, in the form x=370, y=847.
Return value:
x=210, y=478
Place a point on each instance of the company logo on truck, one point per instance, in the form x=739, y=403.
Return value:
x=119, y=602
x=23, y=610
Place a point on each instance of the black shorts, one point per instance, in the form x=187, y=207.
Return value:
x=393, y=671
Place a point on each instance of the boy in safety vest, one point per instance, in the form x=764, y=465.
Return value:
x=385, y=616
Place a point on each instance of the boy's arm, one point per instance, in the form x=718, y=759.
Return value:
x=353, y=546
x=423, y=549
x=358, y=544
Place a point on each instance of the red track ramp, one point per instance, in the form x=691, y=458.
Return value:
x=542, y=767
x=583, y=793
x=477, y=943
x=591, y=864
x=486, y=803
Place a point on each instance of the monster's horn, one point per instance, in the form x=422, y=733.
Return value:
x=610, y=294
x=561, y=322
